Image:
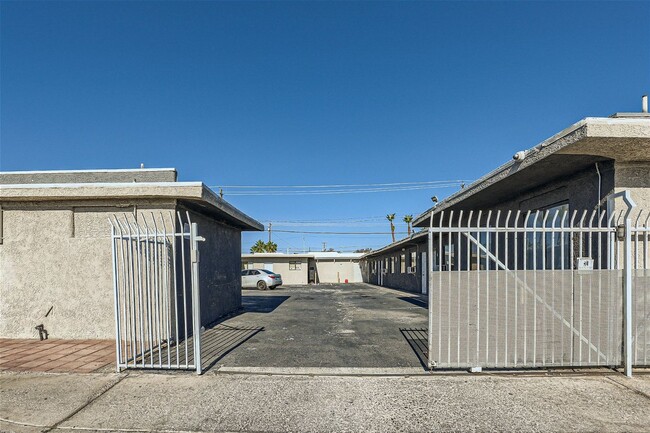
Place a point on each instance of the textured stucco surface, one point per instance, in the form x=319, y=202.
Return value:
x=57, y=255
x=88, y=176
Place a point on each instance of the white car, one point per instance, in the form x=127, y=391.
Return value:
x=260, y=278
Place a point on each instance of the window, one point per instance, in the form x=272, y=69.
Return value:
x=392, y=265
x=294, y=266
x=414, y=260
x=546, y=250
x=402, y=263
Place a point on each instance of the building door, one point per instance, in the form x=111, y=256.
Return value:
x=423, y=272
x=313, y=278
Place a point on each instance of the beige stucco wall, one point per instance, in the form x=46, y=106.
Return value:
x=281, y=266
x=57, y=255
x=337, y=271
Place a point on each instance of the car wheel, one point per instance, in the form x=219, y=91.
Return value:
x=261, y=285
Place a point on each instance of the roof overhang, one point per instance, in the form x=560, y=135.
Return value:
x=194, y=195
x=415, y=238
x=581, y=145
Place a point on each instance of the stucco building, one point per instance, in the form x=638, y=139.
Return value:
x=55, y=246
x=316, y=267
x=574, y=170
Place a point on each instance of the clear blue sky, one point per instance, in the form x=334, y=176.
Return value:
x=309, y=93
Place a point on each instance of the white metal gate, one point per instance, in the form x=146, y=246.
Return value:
x=156, y=290
x=538, y=289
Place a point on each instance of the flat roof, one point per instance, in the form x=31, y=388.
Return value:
x=98, y=170
x=89, y=176
x=582, y=144
x=195, y=195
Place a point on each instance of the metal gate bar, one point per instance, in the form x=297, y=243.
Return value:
x=152, y=273
x=529, y=289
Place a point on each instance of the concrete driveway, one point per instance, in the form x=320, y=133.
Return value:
x=340, y=326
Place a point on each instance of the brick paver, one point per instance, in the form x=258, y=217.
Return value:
x=61, y=356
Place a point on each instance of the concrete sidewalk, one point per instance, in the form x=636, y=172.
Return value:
x=142, y=401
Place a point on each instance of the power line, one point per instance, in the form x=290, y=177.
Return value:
x=338, y=233
x=339, y=191
x=348, y=185
x=289, y=190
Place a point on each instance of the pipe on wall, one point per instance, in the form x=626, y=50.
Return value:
x=600, y=185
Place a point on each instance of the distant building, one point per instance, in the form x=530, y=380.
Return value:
x=311, y=268
x=576, y=169
x=55, y=246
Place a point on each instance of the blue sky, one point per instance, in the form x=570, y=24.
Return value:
x=310, y=93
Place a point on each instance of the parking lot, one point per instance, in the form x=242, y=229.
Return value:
x=345, y=326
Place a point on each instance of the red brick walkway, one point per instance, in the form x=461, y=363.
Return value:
x=79, y=356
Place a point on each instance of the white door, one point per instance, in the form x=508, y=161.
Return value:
x=424, y=273
x=268, y=266
x=381, y=272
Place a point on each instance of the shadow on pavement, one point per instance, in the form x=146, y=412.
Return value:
x=261, y=304
x=218, y=341
x=418, y=340
x=415, y=301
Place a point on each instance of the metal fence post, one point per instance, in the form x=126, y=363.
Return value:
x=628, y=345
x=196, y=295
x=118, y=336
x=431, y=363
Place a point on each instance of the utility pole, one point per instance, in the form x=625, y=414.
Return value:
x=270, y=225
x=324, y=246
x=221, y=192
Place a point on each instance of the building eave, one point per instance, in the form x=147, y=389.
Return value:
x=593, y=136
x=192, y=192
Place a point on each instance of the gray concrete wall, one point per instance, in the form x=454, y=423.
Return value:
x=219, y=268
x=580, y=191
x=88, y=176
x=57, y=255
x=411, y=282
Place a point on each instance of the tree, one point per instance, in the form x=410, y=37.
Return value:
x=391, y=217
x=408, y=219
x=271, y=247
x=264, y=247
x=258, y=247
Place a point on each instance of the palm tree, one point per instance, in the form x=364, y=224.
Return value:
x=391, y=217
x=408, y=219
x=258, y=247
x=271, y=247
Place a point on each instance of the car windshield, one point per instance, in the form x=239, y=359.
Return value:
x=268, y=272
